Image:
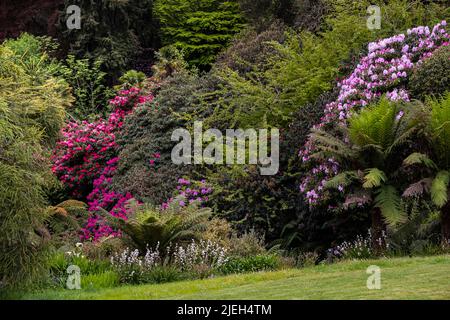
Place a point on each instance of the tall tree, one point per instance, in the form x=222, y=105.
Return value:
x=201, y=29
x=114, y=31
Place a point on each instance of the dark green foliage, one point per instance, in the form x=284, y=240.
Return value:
x=273, y=205
x=200, y=29
x=303, y=14
x=433, y=76
x=251, y=51
x=148, y=131
x=113, y=31
x=251, y=264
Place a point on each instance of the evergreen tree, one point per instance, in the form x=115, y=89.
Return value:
x=113, y=31
x=201, y=29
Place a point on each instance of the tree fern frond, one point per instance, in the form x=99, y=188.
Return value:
x=343, y=179
x=325, y=140
x=373, y=178
x=439, y=188
x=389, y=202
x=419, y=158
x=418, y=188
x=359, y=199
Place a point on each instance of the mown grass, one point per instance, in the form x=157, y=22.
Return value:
x=401, y=278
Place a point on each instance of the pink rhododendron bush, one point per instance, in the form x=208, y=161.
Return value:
x=385, y=70
x=85, y=160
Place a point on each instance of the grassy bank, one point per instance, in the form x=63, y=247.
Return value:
x=401, y=278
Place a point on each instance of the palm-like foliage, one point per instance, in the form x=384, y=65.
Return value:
x=150, y=227
x=437, y=162
x=369, y=152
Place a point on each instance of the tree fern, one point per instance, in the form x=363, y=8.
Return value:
x=150, y=227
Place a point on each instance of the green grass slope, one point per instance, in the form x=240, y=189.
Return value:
x=401, y=278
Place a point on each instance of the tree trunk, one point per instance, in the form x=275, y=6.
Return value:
x=445, y=224
x=378, y=232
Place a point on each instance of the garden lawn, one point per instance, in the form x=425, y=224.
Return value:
x=401, y=278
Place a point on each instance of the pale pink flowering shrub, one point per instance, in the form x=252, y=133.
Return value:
x=384, y=70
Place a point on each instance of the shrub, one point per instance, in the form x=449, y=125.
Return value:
x=145, y=168
x=32, y=102
x=87, y=148
x=385, y=69
x=432, y=77
x=197, y=259
x=64, y=221
x=89, y=87
x=251, y=264
x=247, y=245
x=169, y=61
x=218, y=230
x=132, y=78
x=104, y=248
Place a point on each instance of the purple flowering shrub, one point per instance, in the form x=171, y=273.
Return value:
x=384, y=70
x=189, y=192
x=360, y=248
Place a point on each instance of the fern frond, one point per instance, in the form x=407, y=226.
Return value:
x=419, y=158
x=418, y=188
x=326, y=141
x=374, y=178
x=343, y=179
x=389, y=202
x=439, y=188
x=359, y=199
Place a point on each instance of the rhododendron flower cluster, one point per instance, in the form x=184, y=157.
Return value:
x=82, y=154
x=85, y=161
x=128, y=99
x=384, y=70
x=102, y=197
x=189, y=192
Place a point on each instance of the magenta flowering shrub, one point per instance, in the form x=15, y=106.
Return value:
x=82, y=154
x=85, y=161
x=79, y=158
x=189, y=192
x=384, y=70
